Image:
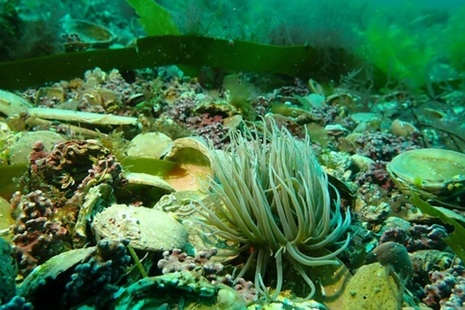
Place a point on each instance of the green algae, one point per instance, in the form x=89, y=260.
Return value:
x=153, y=18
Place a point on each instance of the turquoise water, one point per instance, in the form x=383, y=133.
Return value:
x=406, y=40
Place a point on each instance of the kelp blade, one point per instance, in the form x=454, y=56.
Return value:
x=456, y=239
x=8, y=176
x=300, y=61
x=151, y=166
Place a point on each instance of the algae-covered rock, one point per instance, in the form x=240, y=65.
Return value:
x=96, y=199
x=168, y=292
x=7, y=273
x=372, y=287
x=180, y=290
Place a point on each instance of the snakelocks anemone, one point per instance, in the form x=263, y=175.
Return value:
x=273, y=198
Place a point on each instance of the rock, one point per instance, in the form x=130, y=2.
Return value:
x=394, y=255
x=376, y=213
x=373, y=287
x=366, y=121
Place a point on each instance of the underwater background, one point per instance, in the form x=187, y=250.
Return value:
x=237, y=154
x=407, y=40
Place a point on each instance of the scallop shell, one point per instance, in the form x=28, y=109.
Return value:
x=143, y=187
x=149, y=144
x=146, y=229
x=53, y=268
x=82, y=117
x=11, y=104
x=52, y=93
x=165, y=292
x=89, y=34
x=342, y=99
x=148, y=180
x=434, y=173
x=193, y=155
x=183, y=204
x=402, y=129
x=315, y=87
x=425, y=261
x=20, y=150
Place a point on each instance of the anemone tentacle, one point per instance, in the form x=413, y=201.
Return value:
x=273, y=197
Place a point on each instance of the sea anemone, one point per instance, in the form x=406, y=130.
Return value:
x=273, y=199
